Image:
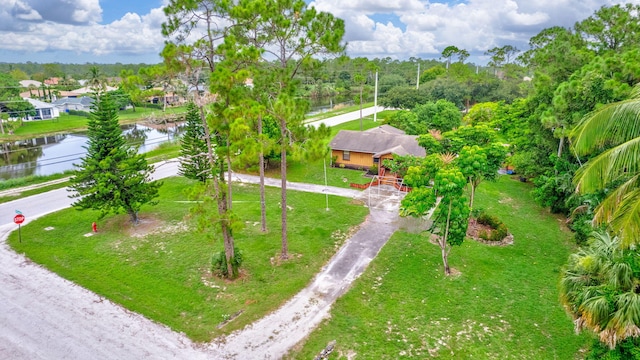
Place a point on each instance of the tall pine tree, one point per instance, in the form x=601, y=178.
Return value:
x=113, y=177
x=194, y=163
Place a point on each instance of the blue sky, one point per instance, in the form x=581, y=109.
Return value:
x=128, y=31
x=115, y=9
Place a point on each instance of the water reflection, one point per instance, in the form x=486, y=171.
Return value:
x=55, y=154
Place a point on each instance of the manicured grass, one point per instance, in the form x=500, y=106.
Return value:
x=312, y=172
x=143, y=113
x=165, y=275
x=367, y=123
x=503, y=304
x=30, y=180
x=65, y=123
x=164, y=151
x=38, y=190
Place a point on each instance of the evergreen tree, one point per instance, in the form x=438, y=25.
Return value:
x=194, y=163
x=112, y=177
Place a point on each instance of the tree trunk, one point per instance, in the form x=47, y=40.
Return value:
x=361, y=86
x=263, y=204
x=229, y=193
x=283, y=194
x=134, y=216
x=443, y=242
x=221, y=201
x=226, y=229
x=560, y=146
x=445, y=260
x=473, y=193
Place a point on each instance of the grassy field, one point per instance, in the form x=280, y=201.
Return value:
x=502, y=305
x=165, y=274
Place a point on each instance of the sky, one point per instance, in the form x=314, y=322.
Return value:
x=129, y=31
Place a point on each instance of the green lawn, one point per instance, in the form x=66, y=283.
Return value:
x=165, y=275
x=65, y=123
x=367, y=123
x=503, y=304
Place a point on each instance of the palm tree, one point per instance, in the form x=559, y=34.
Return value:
x=616, y=129
x=96, y=81
x=601, y=291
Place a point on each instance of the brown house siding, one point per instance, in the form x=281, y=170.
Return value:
x=356, y=159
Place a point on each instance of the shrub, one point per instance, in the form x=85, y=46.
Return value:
x=498, y=229
x=78, y=113
x=489, y=220
x=219, y=263
x=499, y=233
x=373, y=170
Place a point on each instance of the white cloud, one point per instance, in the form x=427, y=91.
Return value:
x=374, y=28
x=78, y=12
x=426, y=27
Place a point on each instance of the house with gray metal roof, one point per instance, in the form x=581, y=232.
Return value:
x=44, y=110
x=74, y=103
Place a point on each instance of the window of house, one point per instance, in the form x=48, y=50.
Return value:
x=376, y=160
x=46, y=113
x=346, y=155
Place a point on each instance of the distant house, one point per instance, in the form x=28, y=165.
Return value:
x=44, y=110
x=364, y=149
x=52, y=81
x=74, y=103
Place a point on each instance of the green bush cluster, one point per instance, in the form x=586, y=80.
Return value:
x=499, y=229
x=78, y=113
x=219, y=262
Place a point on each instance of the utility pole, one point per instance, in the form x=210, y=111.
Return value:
x=1, y=126
x=375, y=100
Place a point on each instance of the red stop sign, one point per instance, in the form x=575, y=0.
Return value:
x=18, y=219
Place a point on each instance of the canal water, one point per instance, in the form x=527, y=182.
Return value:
x=57, y=153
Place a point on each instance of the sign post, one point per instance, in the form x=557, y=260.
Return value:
x=19, y=219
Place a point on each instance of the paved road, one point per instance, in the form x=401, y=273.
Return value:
x=354, y=115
